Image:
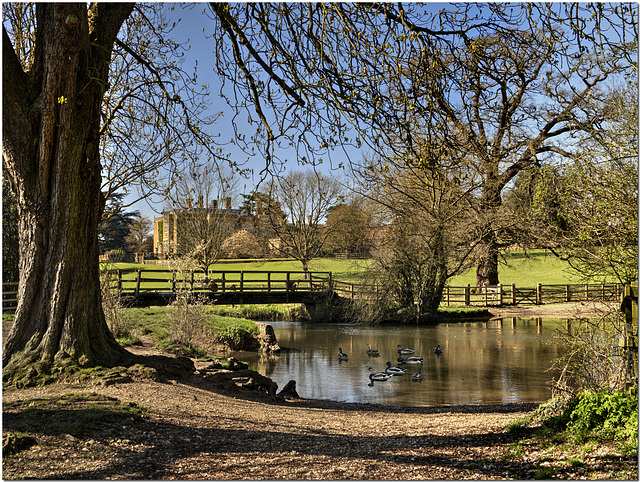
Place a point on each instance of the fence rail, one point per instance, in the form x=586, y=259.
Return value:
x=135, y=282
x=501, y=294
x=9, y=297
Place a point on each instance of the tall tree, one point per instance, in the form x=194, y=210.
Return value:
x=200, y=206
x=115, y=224
x=299, y=204
x=587, y=210
x=51, y=121
x=55, y=125
x=428, y=205
x=507, y=86
x=349, y=226
x=140, y=238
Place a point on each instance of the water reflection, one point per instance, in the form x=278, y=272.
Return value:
x=498, y=361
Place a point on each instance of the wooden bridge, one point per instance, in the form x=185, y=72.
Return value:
x=153, y=287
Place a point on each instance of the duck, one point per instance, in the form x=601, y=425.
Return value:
x=417, y=376
x=372, y=351
x=378, y=376
x=405, y=351
x=411, y=360
x=342, y=356
x=394, y=370
x=437, y=350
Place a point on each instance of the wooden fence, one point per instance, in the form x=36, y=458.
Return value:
x=9, y=297
x=500, y=295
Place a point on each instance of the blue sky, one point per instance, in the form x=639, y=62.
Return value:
x=190, y=23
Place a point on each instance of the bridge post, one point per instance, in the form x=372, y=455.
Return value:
x=467, y=294
x=513, y=294
x=539, y=294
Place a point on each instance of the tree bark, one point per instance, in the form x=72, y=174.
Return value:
x=487, y=261
x=50, y=150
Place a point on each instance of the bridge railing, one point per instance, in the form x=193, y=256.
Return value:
x=128, y=282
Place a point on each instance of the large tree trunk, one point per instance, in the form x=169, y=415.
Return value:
x=51, y=120
x=487, y=264
x=487, y=260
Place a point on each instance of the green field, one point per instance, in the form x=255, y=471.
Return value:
x=525, y=270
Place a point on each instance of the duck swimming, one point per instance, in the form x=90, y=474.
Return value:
x=417, y=376
x=405, y=351
x=437, y=350
x=394, y=370
x=378, y=376
x=372, y=351
x=411, y=360
x=342, y=356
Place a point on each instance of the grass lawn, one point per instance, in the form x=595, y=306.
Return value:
x=526, y=270
x=523, y=269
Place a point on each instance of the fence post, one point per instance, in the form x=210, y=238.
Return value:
x=467, y=294
x=173, y=282
x=568, y=293
x=499, y=294
x=192, y=280
x=119, y=280
x=241, y=281
x=586, y=291
x=603, y=292
x=138, y=275
x=513, y=294
x=539, y=294
x=351, y=289
x=288, y=281
x=223, y=282
x=448, y=299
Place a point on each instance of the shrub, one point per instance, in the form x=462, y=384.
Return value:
x=188, y=319
x=116, y=316
x=611, y=416
x=235, y=337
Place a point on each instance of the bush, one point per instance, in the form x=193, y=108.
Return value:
x=188, y=318
x=235, y=337
x=593, y=415
x=611, y=416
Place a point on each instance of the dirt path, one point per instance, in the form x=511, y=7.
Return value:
x=191, y=429
x=556, y=310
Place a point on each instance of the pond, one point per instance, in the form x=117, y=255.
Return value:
x=497, y=361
